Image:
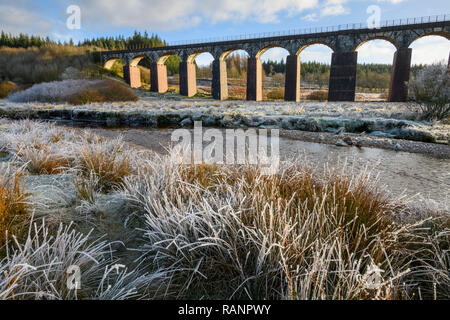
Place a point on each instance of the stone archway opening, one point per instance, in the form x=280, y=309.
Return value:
x=231, y=75
x=165, y=74
x=374, y=70
x=203, y=62
x=142, y=65
x=114, y=66
x=315, y=71
x=273, y=61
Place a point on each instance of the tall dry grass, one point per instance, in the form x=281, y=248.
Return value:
x=233, y=232
x=318, y=95
x=103, y=91
x=237, y=233
x=13, y=205
x=105, y=161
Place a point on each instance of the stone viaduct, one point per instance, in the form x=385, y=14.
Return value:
x=343, y=40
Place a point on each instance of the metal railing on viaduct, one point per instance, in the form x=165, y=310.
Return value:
x=344, y=40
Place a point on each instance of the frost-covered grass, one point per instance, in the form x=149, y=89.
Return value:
x=75, y=92
x=214, y=231
x=37, y=267
x=155, y=104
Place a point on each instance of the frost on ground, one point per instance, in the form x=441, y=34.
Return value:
x=140, y=225
x=390, y=120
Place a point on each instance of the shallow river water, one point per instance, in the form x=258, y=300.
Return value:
x=416, y=176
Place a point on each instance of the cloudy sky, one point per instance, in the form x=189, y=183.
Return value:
x=177, y=20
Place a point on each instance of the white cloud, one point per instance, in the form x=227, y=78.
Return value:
x=334, y=8
x=175, y=14
x=392, y=1
x=430, y=49
x=275, y=54
x=312, y=17
x=376, y=51
x=316, y=52
x=15, y=19
x=204, y=59
x=426, y=50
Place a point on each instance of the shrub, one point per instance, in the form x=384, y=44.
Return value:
x=76, y=92
x=6, y=88
x=430, y=88
x=276, y=94
x=319, y=95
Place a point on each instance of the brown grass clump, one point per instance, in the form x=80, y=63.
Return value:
x=353, y=202
x=319, y=95
x=6, y=87
x=103, y=91
x=44, y=161
x=107, y=164
x=13, y=207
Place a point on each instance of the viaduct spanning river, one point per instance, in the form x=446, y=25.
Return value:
x=343, y=40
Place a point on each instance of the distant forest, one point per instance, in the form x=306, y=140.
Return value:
x=272, y=67
x=107, y=43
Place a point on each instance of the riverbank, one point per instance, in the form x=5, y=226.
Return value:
x=370, y=119
x=419, y=177
x=440, y=151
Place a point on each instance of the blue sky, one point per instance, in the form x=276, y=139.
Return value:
x=192, y=19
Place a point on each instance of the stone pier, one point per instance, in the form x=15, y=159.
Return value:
x=254, y=79
x=292, y=80
x=401, y=69
x=158, y=78
x=188, y=80
x=132, y=76
x=219, y=80
x=343, y=76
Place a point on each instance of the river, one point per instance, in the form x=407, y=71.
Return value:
x=417, y=177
